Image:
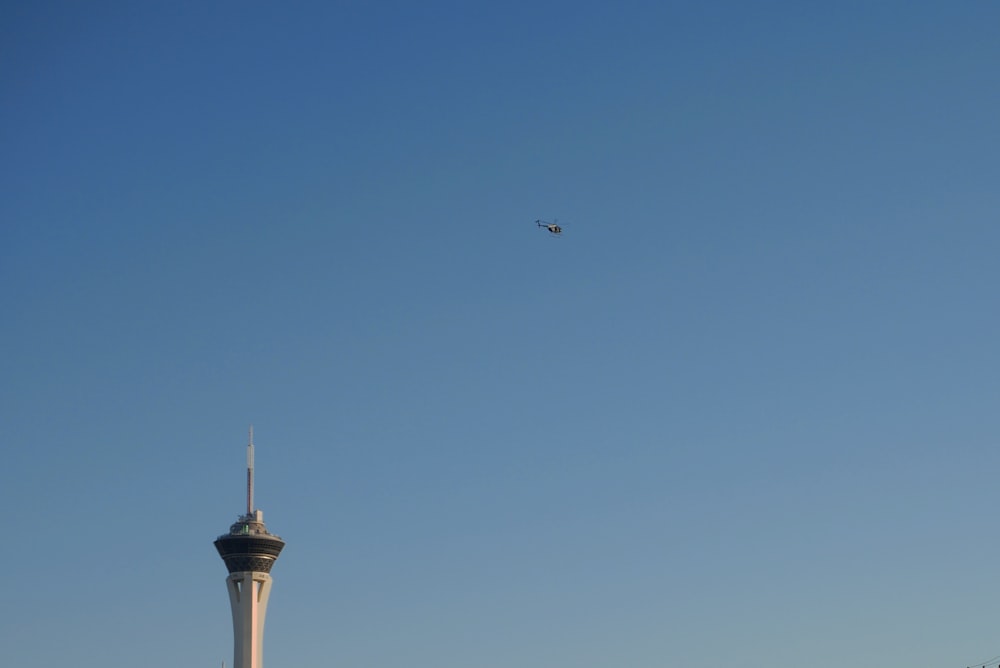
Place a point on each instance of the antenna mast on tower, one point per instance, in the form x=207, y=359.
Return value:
x=250, y=473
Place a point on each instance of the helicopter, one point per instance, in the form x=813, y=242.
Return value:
x=552, y=227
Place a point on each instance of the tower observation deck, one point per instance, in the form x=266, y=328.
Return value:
x=249, y=552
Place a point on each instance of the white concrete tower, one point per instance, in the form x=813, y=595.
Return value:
x=249, y=552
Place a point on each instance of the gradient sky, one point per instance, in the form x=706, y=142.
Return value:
x=743, y=412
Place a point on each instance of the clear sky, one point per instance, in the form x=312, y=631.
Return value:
x=743, y=412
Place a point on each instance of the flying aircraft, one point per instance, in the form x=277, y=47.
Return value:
x=552, y=227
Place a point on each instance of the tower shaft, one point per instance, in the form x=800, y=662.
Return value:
x=248, y=594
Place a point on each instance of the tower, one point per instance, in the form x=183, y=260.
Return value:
x=249, y=552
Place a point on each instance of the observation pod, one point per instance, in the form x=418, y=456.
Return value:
x=249, y=552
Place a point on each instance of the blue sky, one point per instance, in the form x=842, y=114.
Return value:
x=744, y=411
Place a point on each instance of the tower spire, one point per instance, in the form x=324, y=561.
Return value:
x=250, y=473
